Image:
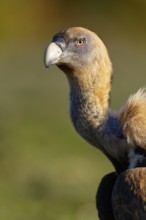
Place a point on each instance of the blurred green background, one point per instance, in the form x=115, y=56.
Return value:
x=46, y=170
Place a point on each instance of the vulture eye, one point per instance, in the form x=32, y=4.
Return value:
x=81, y=41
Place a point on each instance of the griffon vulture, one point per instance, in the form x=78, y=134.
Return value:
x=121, y=135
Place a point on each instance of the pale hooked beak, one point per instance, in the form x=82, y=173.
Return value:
x=52, y=54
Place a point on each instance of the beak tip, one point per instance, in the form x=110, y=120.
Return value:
x=46, y=64
x=46, y=67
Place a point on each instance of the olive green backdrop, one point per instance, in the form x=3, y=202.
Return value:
x=46, y=170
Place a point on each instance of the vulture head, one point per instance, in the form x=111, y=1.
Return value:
x=77, y=51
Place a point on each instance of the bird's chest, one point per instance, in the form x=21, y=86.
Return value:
x=103, y=134
x=111, y=138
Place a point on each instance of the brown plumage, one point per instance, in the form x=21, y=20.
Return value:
x=129, y=195
x=133, y=119
x=83, y=57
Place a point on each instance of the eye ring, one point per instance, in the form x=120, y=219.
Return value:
x=81, y=41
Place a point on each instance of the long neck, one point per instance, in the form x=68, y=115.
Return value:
x=89, y=97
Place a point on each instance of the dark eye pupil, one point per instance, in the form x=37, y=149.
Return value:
x=81, y=41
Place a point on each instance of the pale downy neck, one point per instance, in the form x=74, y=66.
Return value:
x=89, y=99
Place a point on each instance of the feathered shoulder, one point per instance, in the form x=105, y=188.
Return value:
x=133, y=118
